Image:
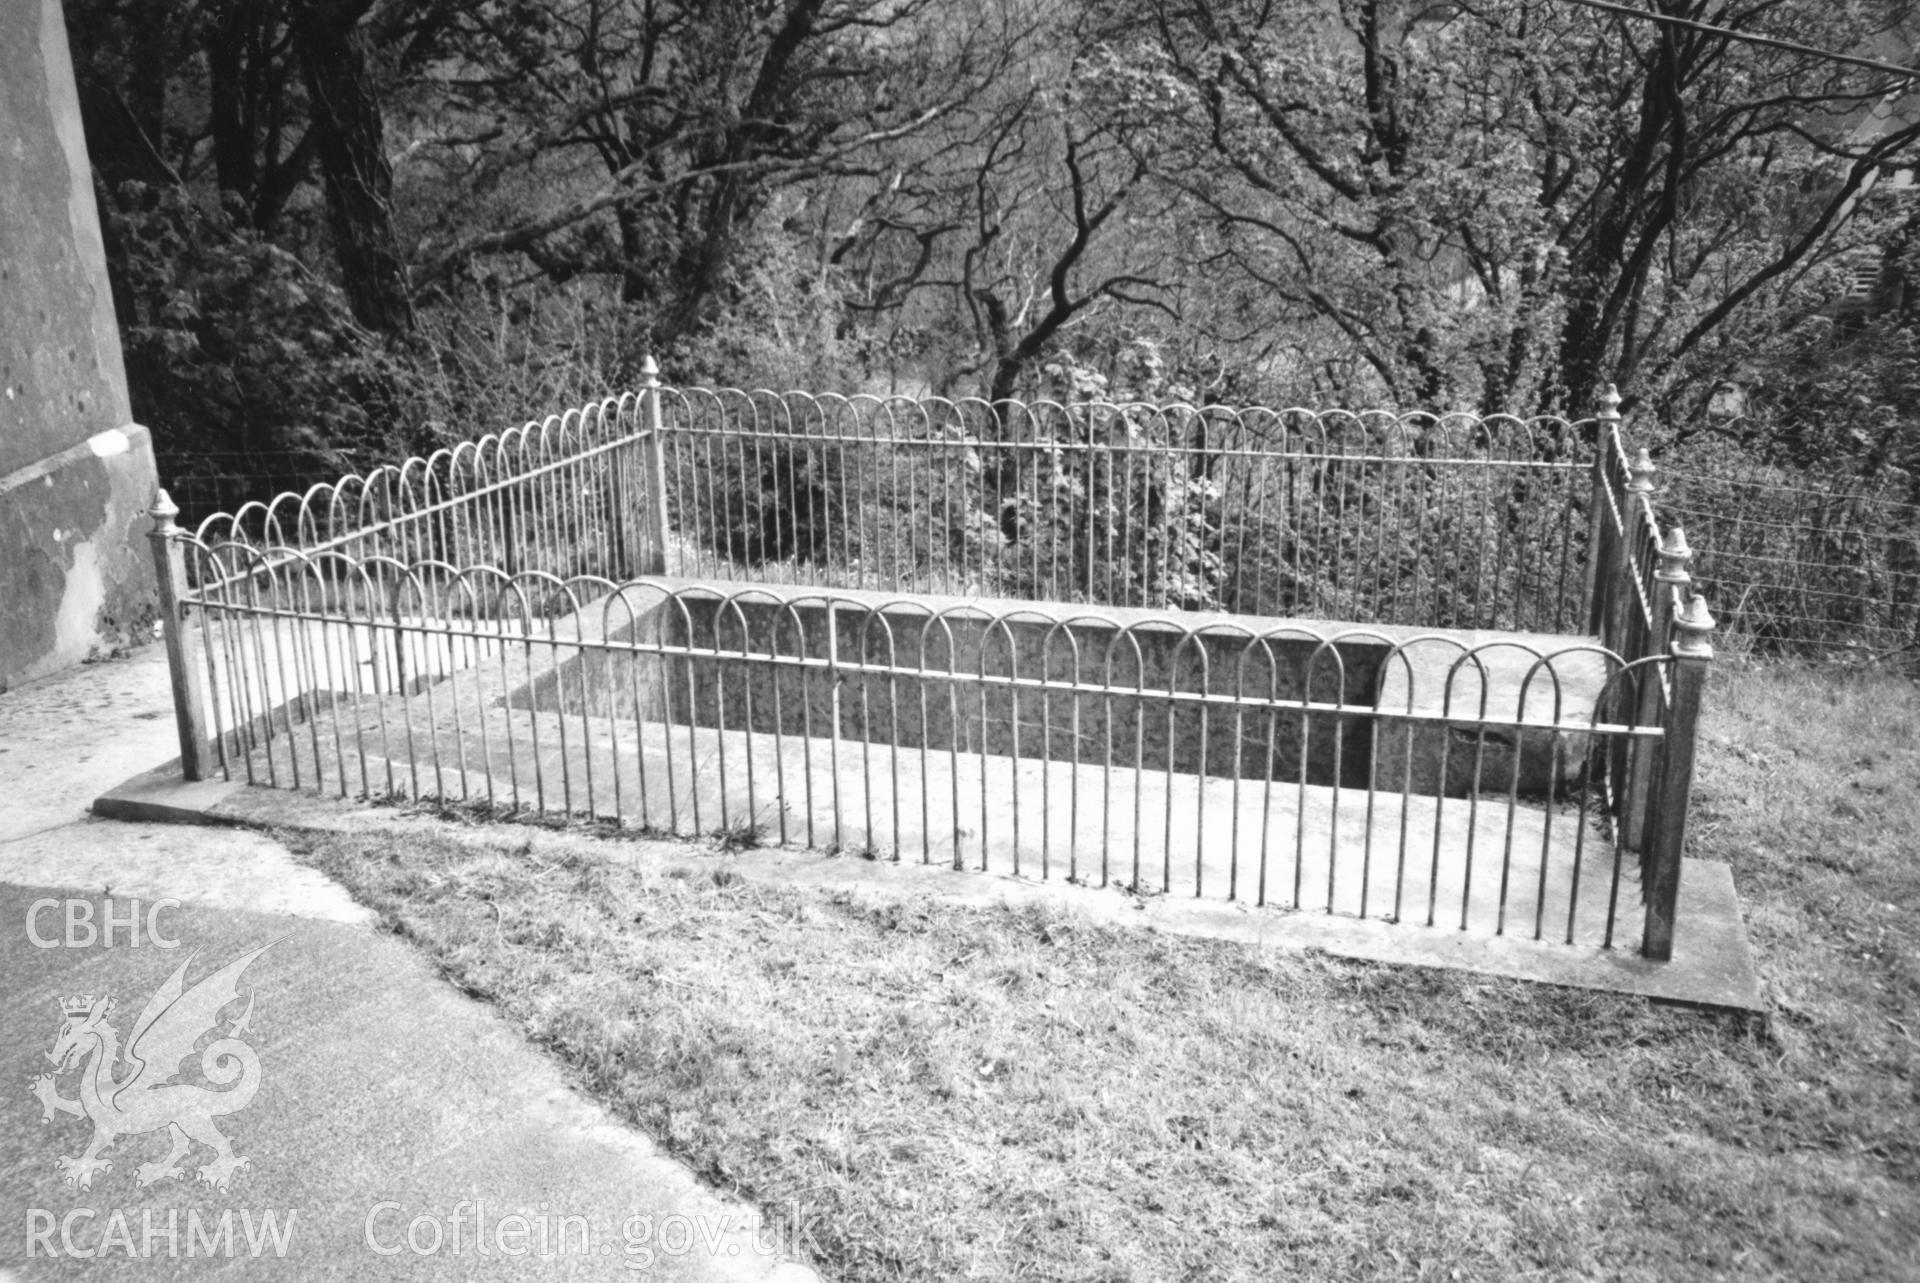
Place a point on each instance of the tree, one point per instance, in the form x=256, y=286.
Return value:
x=694, y=116
x=1506, y=204
x=350, y=141
x=1497, y=204
x=262, y=147
x=1023, y=217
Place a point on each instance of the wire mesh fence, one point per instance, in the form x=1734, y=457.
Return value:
x=1803, y=563
x=209, y=482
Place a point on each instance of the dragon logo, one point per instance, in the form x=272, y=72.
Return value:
x=141, y=1096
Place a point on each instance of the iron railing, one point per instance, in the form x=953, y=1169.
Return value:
x=492, y=627
x=1643, y=606
x=1448, y=521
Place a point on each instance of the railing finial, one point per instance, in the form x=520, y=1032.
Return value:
x=1643, y=470
x=1694, y=623
x=1610, y=404
x=650, y=371
x=1674, y=556
x=163, y=512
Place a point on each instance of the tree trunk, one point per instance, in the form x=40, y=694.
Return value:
x=734, y=195
x=635, y=280
x=228, y=43
x=350, y=141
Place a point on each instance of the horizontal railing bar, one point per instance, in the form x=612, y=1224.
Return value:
x=1168, y=448
x=531, y=642
x=491, y=488
x=467, y=498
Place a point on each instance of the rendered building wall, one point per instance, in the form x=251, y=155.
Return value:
x=76, y=475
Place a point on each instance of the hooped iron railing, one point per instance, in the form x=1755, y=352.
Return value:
x=1644, y=604
x=432, y=596
x=1369, y=517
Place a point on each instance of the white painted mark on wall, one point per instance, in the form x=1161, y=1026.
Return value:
x=109, y=443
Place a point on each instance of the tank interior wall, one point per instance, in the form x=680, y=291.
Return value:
x=943, y=705
x=940, y=702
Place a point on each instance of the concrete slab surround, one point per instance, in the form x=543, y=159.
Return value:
x=1712, y=965
x=574, y=714
x=76, y=474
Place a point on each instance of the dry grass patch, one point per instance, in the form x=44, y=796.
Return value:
x=952, y=1093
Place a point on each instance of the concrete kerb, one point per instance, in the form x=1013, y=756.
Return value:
x=1712, y=967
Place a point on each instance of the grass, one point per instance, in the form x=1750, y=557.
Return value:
x=954, y=1093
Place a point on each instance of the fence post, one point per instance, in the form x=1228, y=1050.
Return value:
x=1617, y=628
x=1639, y=483
x=513, y=555
x=1667, y=835
x=654, y=461
x=622, y=527
x=183, y=645
x=1599, y=530
x=1672, y=577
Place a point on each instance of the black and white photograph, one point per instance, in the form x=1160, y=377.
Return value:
x=863, y=641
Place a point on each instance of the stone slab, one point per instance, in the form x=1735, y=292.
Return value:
x=1712, y=966
x=1494, y=864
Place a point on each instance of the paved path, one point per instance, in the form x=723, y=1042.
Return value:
x=388, y=1104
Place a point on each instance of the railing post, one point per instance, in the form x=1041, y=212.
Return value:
x=1639, y=485
x=1667, y=835
x=513, y=555
x=183, y=646
x=1623, y=614
x=654, y=462
x=1600, y=532
x=622, y=529
x=1672, y=577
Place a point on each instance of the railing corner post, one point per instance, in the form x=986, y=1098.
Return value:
x=1670, y=581
x=183, y=658
x=655, y=457
x=1601, y=535
x=623, y=530
x=1667, y=835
